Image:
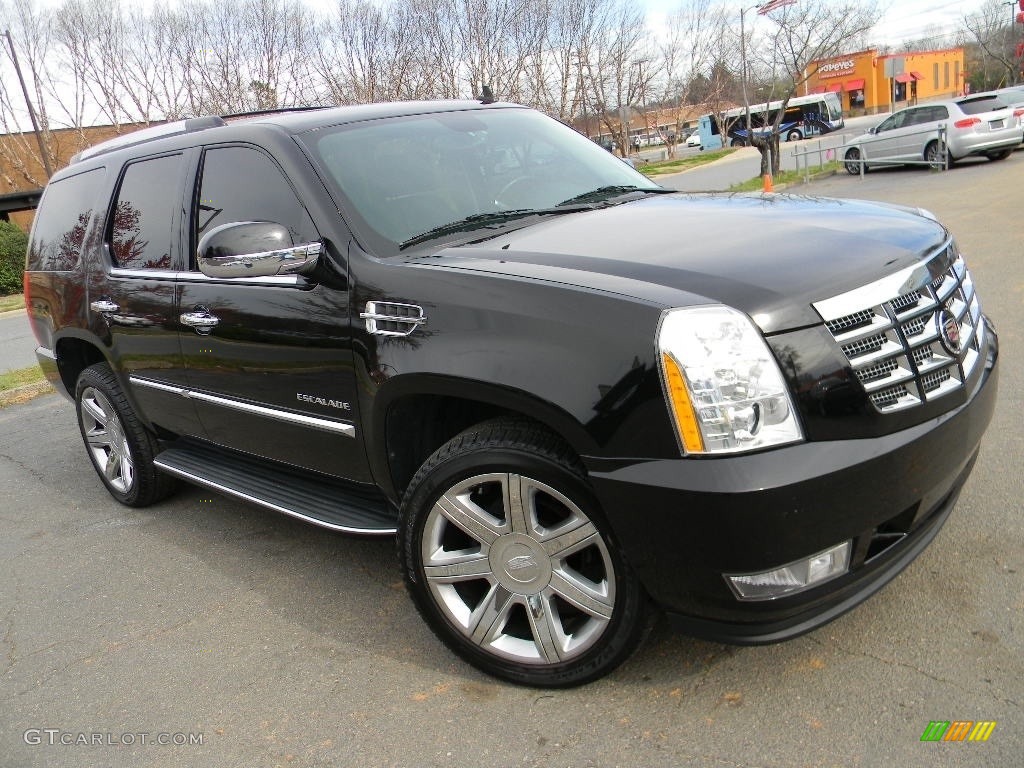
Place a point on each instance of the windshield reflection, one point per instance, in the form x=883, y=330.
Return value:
x=402, y=177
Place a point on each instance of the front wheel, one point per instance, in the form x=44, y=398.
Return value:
x=738, y=143
x=120, y=447
x=794, y=135
x=510, y=562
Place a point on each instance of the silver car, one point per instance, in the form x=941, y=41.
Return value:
x=982, y=124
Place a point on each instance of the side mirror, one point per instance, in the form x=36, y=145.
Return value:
x=254, y=249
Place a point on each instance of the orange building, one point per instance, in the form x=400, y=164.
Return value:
x=863, y=85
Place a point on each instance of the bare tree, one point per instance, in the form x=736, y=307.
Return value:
x=694, y=42
x=997, y=38
x=804, y=32
x=617, y=40
x=30, y=32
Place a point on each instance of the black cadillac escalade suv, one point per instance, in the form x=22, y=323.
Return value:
x=572, y=395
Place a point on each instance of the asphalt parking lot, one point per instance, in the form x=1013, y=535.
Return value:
x=243, y=638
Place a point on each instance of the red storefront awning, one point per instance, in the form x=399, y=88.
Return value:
x=835, y=87
x=917, y=75
x=819, y=89
x=906, y=77
x=854, y=85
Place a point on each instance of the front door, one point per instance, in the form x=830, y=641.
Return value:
x=271, y=368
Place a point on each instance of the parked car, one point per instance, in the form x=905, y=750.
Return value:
x=693, y=140
x=981, y=124
x=572, y=394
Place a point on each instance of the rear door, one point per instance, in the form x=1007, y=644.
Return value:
x=273, y=376
x=919, y=128
x=133, y=289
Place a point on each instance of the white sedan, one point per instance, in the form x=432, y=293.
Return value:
x=693, y=140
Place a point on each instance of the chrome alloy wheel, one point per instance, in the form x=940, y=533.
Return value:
x=518, y=568
x=106, y=440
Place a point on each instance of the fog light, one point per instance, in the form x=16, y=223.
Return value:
x=793, y=577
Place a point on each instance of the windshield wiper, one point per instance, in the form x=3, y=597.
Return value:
x=481, y=220
x=604, y=193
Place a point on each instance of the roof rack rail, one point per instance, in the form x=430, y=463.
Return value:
x=275, y=111
x=189, y=125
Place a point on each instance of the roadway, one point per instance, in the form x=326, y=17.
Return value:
x=17, y=344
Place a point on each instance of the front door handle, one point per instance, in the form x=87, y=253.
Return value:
x=201, y=319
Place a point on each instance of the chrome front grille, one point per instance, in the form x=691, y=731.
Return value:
x=913, y=336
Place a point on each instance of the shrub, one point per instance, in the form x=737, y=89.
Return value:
x=13, y=243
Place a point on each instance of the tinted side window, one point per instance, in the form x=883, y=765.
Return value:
x=141, y=224
x=60, y=224
x=887, y=125
x=913, y=117
x=243, y=184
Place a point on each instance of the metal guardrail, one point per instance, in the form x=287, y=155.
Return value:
x=830, y=150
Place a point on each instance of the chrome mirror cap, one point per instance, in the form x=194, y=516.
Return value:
x=254, y=249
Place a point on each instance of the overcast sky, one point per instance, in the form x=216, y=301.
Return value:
x=902, y=20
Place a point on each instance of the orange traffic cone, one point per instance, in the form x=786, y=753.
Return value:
x=768, y=183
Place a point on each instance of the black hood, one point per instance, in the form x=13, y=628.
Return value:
x=768, y=255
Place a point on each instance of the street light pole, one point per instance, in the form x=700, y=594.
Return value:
x=43, y=154
x=1013, y=18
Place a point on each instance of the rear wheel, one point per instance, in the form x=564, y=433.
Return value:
x=510, y=562
x=1000, y=155
x=121, y=449
x=794, y=135
x=937, y=156
x=852, y=162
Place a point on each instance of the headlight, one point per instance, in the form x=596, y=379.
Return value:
x=724, y=388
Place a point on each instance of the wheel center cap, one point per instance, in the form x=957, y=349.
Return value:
x=523, y=568
x=520, y=564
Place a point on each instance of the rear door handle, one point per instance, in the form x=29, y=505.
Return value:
x=103, y=306
x=201, y=319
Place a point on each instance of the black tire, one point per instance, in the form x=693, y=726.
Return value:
x=738, y=143
x=508, y=610
x=1000, y=155
x=851, y=162
x=120, y=448
x=794, y=135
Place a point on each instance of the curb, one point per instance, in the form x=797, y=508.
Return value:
x=25, y=393
x=813, y=178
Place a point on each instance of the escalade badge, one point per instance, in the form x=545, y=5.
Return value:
x=949, y=331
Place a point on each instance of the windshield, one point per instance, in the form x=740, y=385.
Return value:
x=402, y=177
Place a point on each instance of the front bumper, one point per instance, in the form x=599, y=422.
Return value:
x=683, y=523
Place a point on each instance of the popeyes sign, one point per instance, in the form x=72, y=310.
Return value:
x=836, y=68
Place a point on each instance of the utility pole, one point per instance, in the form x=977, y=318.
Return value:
x=31, y=111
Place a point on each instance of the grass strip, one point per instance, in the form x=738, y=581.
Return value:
x=661, y=167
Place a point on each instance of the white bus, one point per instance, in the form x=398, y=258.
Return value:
x=805, y=116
